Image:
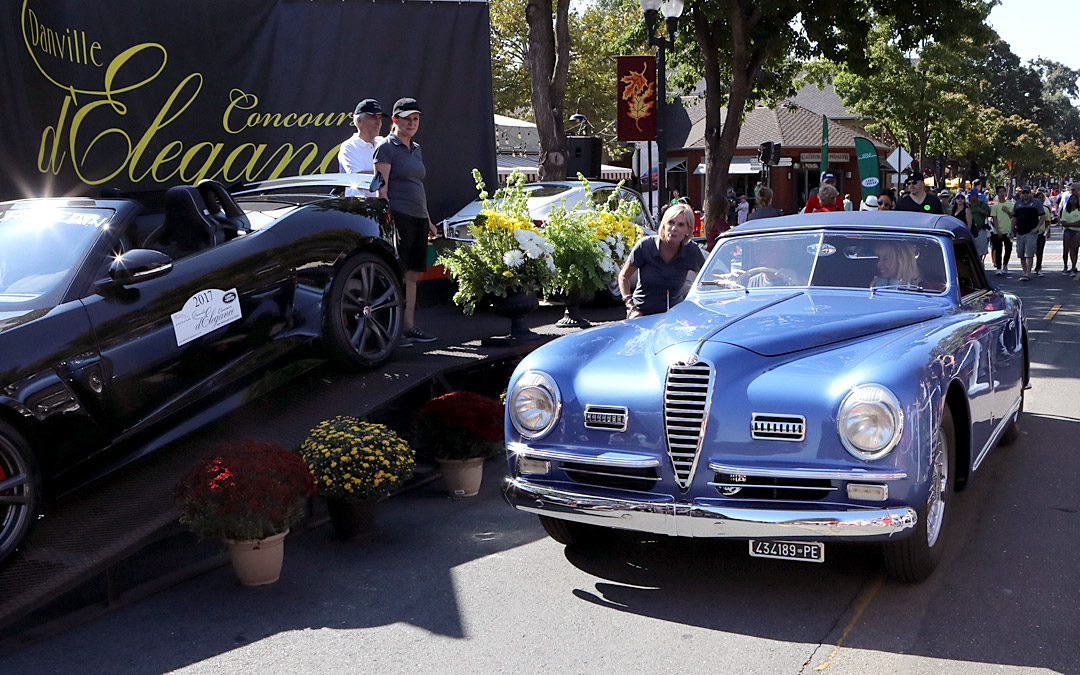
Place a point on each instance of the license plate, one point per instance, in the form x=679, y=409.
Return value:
x=806, y=551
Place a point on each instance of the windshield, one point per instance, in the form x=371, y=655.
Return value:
x=41, y=244
x=904, y=262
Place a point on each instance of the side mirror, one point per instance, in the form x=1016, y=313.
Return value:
x=376, y=182
x=136, y=266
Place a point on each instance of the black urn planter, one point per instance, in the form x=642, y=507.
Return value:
x=572, y=317
x=514, y=306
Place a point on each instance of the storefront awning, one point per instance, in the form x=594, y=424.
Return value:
x=736, y=167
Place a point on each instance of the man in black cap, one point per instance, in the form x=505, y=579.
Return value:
x=356, y=153
x=918, y=199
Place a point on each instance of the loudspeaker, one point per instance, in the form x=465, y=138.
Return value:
x=583, y=156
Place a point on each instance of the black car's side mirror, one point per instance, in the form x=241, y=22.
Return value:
x=376, y=182
x=136, y=266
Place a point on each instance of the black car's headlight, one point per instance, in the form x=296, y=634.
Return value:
x=870, y=421
x=534, y=404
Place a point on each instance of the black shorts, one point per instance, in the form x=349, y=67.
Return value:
x=412, y=240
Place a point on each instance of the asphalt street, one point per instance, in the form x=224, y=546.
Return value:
x=473, y=586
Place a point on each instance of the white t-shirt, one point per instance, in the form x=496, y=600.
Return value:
x=356, y=156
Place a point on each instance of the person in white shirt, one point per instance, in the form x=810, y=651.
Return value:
x=357, y=152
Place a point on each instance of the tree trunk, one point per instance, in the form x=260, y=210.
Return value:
x=722, y=139
x=549, y=63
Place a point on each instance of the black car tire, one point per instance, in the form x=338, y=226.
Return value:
x=20, y=490
x=914, y=558
x=569, y=533
x=365, y=312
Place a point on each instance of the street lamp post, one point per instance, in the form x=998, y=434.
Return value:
x=672, y=10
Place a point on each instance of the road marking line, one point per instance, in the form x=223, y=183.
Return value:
x=1052, y=312
x=864, y=601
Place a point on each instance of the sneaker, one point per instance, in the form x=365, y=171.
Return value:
x=1005, y=269
x=998, y=272
x=1025, y=278
x=416, y=335
x=1038, y=273
x=1067, y=273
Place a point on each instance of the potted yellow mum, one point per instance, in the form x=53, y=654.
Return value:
x=355, y=464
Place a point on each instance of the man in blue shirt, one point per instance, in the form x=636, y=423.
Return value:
x=1026, y=216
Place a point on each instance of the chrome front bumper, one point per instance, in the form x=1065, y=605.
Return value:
x=704, y=519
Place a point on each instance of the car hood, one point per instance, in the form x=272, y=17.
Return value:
x=776, y=323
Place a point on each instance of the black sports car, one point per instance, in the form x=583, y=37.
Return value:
x=122, y=326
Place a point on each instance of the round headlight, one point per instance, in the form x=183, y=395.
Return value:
x=870, y=422
x=534, y=404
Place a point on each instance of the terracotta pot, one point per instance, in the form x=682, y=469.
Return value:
x=258, y=562
x=352, y=520
x=462, y=476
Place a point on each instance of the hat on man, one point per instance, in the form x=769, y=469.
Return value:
x=404, y=107
x=870, y=204
x=828, y=178
x=914, y=178
x=945, y=193
x=368, y=106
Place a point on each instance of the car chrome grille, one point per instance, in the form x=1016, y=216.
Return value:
x=686, y=409
x=743, y=486
x=606, y=417
x=616, y=477
x=778, y=427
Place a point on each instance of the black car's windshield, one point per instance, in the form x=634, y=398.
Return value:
x=896, y=262
x=41, y=244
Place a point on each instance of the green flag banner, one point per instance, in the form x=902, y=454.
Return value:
x=869, y=168
x=824, y=146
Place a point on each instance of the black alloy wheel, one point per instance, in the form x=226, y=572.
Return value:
x=20, y=490
x=365, y=311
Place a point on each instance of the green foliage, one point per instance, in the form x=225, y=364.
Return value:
x=599, y=31
x=508, y=253
x=589, y=245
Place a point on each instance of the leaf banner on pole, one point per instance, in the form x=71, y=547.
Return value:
x=869, y=168
x=635, y=101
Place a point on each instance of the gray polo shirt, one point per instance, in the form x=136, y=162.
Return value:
x=406, y=191
x=660, y=283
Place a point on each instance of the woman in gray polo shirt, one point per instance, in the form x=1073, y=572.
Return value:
x=661, y=262
x=399, y=161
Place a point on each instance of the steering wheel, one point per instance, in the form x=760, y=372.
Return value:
x=772, y=273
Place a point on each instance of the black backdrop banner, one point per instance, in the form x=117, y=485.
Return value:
x=143, y=95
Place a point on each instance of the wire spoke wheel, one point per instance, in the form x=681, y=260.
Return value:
x=914, y=558
x=935, y=501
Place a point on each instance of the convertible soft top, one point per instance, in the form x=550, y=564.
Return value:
x=890, y=221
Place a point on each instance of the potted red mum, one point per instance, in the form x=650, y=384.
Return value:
x=247, y=494
x=460, y=429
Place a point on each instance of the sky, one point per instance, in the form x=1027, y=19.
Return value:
x=1033, y=29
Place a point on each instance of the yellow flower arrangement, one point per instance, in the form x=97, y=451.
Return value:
x=590, y=245
x=508, y=254
x=354, y=460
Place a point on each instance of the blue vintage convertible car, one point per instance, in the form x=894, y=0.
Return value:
x=829, y=377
